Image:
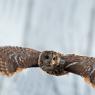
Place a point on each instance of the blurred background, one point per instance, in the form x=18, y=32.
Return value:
x=67, y=26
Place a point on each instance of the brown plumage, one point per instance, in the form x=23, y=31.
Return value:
x=80, y=65
x=49, y=62
x=14, y=59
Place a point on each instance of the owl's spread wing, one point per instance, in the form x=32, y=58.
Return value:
x=13, y=59
x=83, y=66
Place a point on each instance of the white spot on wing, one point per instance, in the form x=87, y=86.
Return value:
x=71, y=64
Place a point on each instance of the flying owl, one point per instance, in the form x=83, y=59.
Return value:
x=15, y=59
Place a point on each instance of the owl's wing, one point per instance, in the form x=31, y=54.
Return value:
x=83, y=66
x=13, y=59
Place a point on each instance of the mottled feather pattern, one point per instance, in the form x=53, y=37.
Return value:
x=13, y=59
x=52, y=63
x=81, y=65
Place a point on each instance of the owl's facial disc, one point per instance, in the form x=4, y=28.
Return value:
x=50, y=59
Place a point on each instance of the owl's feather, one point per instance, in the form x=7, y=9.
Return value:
x=14, y=59
x=81, y=65
x=52, y=63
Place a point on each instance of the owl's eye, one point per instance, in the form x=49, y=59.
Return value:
x=54, y=58
x=46, y=57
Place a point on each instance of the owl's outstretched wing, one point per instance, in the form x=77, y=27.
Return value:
x=13, y=59
x=81, y=65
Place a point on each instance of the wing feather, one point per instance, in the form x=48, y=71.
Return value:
x=13, y=59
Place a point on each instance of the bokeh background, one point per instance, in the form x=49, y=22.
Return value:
x=67, y=26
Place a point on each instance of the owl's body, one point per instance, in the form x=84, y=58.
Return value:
x=13, y=59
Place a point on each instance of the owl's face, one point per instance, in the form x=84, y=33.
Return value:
x=48, y=60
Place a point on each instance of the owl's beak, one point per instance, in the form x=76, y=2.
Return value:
x=52, y=63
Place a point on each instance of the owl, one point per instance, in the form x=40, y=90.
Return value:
x=16, y=59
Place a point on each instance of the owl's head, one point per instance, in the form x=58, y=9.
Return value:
x=50, y=59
